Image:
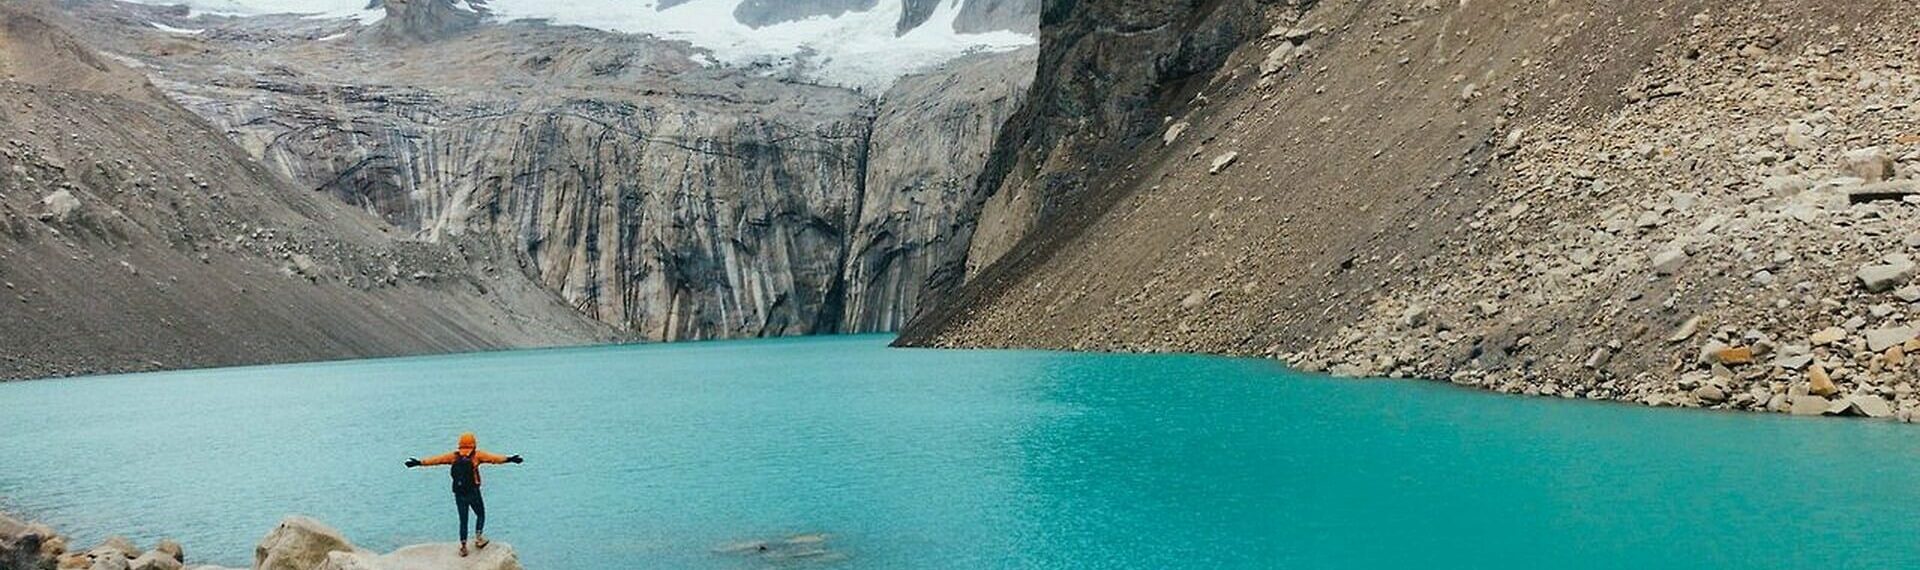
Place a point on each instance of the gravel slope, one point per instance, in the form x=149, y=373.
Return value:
x=1477, y=191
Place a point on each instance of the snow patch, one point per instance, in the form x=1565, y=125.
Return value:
x=174, y=30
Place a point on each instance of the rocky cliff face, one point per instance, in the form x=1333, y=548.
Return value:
x=426, y=20
x=976, y=16
x=653, y=194
x=1106, y=68
x=713, y=211
x=923, y=196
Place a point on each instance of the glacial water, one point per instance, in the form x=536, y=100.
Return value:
x=659, y=456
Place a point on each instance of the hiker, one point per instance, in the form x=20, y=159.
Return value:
x=466, y=460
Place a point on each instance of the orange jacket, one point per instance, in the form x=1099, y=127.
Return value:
x=470, y=448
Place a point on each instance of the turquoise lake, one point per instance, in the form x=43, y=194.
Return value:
x=659, y=456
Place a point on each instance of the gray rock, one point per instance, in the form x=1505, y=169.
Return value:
x=108, y=561
x=298, y=543
x=1686, y=330
x=1599, y=358
x=1198, y=298
x=1809, y=405
x=1669, y=261
x=1416, y=316
x=1885, y=277
x=1879, y=340
x=496, y=556
x=1173, y=133
x=1710, y=394
x=1870, y=164
x=155, y=560
x=118, y=544
x=1871, y=406
x=1793, y=361
x=1910, y=293
x=61, y=206
x=1277, y=59
x=1220, y=163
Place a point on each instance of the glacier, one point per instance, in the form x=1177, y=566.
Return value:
x=861, y=49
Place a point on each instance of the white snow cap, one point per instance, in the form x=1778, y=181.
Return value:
x=856, y=49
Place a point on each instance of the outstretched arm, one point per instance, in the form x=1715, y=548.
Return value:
x=442, y=459
x=484, y=457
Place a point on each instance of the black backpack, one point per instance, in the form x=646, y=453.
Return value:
x=463, y=475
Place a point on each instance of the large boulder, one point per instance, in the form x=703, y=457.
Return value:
x=172, y=549
x=299, y=543
x=61, y=206
x=118, y=544
x=155, y=560
x=496, y=556
x=23, y=545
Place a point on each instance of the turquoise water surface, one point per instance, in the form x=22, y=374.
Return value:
x=657, y=456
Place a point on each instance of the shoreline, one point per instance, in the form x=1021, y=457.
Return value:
x=1462, y=378
x=296, y=543
x=1470, y=380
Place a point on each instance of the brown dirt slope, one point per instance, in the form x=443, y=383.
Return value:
x=1359, y=190
x=134, y=237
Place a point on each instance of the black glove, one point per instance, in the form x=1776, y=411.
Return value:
x=413, y=462
x=516, y=459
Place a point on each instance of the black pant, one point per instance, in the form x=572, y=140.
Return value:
x=466, y=500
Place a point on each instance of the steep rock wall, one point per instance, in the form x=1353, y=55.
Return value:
x=667, y=199
x=923, y=197
x=1105, y=68
x=673, y=222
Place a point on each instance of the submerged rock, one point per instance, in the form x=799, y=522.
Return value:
x=810, y=547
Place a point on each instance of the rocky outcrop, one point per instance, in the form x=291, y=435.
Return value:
x=496, y=556
x=299, y=543
x=425, y=20
x=28, y=546
x=976, y=16
x=931, y=140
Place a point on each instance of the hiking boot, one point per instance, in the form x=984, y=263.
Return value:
x=481, y=542
x=463, y=550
